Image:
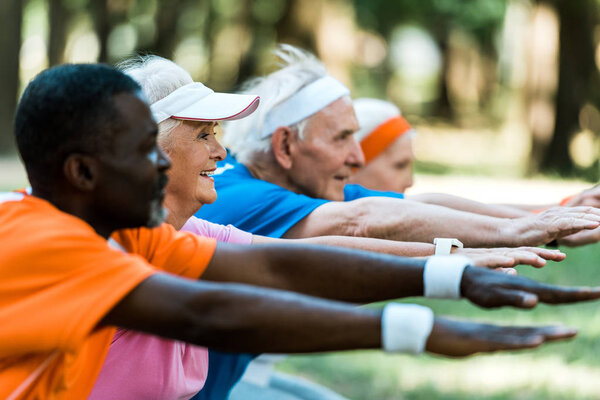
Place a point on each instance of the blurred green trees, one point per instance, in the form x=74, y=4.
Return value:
x=486, y=58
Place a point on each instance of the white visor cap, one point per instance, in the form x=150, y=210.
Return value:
x=196, y=102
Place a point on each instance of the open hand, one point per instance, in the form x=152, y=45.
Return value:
x=581, y=238
x=507, y=257
x=489, y=289
x=456, y=338
x=589, y=197
x=553, y=223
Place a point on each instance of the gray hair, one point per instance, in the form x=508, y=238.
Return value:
x=158, y=78
x=298, y=69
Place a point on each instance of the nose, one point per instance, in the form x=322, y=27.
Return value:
x=356, y=158
x=218, y=152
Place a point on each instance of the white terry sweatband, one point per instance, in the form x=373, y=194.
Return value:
x=442, y=276
x=309, y=100
x=405, y=328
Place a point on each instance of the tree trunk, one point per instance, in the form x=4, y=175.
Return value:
x=289, y=30
x=59, y=23
x=11, y=13
x=99, y=10
x=577, y=77
x=166, y=28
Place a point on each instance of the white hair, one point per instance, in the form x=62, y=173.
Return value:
x=298, y=69
x=371, y=113
x=158, y=78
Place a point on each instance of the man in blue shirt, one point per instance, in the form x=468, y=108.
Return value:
x=294, y=157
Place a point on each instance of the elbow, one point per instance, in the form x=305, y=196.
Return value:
x=216, y=321
x=362, y=219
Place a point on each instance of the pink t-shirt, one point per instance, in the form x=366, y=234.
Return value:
x=141, y=366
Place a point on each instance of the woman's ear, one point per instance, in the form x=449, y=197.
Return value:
x=283, y=142
x=81, y=171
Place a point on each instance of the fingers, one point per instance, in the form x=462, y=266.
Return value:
x=550, y=294
x=506, y=342
x=509, y=257
x=493, y=261
x=462, y=338
x=581, y=238
x=589, y=212
x=564, y=226
x=498, y=297
x=556, y=332
x=567, y=220
x=546, y=254
x=490, y=289
x=527, y=258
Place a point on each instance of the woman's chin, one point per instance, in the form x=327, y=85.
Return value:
x=207, y=198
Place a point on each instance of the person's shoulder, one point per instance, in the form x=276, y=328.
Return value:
x=20, y=212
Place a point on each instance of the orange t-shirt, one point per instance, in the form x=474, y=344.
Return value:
x=58, y=279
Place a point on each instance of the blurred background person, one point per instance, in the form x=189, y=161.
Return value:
x=386, y=139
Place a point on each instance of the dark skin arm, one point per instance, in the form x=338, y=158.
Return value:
x=364, y=277
x=241, y=318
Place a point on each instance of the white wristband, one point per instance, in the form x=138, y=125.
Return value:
x=405, y=327
x=443, y=246
x=442, y=276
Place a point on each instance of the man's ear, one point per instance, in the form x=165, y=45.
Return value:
x=81, y=171
x=283, y=142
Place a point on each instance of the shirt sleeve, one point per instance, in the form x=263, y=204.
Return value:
x=354, y=192
x=222, y=233
x=180, y=253
x=71, y=283
x=256, y=206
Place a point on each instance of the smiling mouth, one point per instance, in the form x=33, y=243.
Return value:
x=208, y=173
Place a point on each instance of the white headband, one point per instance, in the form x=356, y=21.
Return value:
x=304, y=103
x=178, y=100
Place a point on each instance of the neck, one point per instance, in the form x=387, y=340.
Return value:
x=76, y=205
x=270, y=171
x=179, y=212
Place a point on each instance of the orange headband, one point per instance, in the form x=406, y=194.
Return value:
x=384, y=135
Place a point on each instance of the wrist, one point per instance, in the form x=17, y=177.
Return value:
x=510, y=233
x=442, y=276
x=405, y=327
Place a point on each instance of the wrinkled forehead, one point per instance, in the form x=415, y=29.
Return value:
x=337, y=117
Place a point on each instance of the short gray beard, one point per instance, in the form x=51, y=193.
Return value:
x=158, y=214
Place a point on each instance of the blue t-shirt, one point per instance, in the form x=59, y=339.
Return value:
x=261, y=207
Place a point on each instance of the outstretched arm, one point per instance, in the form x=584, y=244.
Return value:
x=406, y=220
x=499, y=257
x=241, y=318
x=364, y=277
